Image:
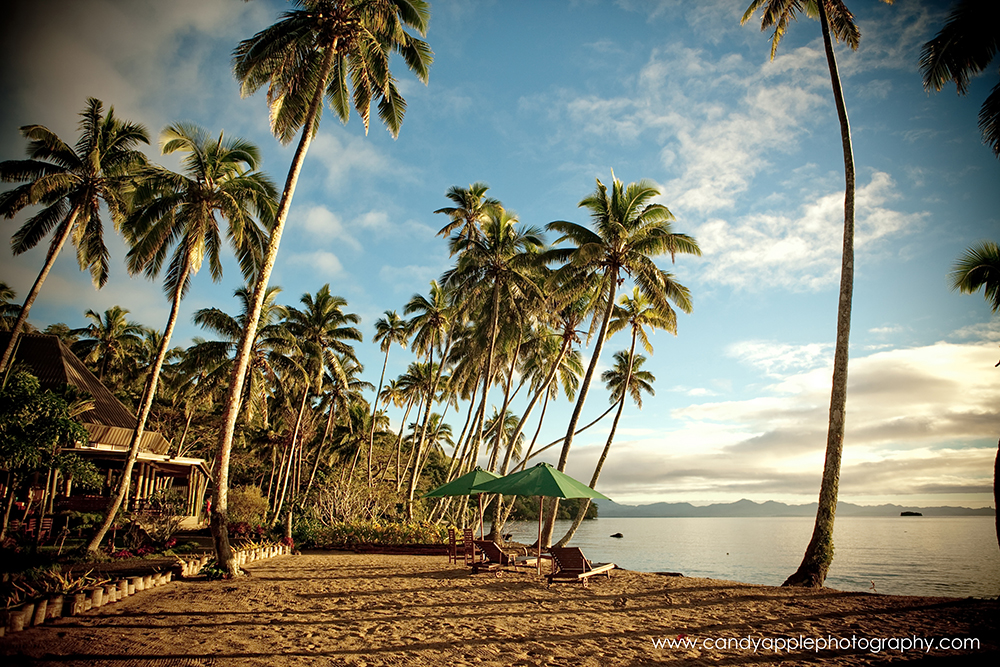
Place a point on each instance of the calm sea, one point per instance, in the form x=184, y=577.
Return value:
x=936, y=556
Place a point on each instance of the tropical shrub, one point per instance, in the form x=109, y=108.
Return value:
x=344, y=534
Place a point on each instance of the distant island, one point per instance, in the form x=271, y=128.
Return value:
x=748, y=508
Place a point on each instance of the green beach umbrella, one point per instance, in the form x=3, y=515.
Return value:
x=463, y=486
x=543, y=481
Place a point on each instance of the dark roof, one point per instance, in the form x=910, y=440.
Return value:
x=55, y=365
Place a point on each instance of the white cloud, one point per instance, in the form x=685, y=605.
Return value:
x=921, y=421
x=800, y=253
x=324, y=227
x=323, y=262
x=778, y=359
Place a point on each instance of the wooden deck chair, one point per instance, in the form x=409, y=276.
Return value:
x=46, y=530
x=569, y=564
x=495, y=559
x=468, y=547
x=452, y=546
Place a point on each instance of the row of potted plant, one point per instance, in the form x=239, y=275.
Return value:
x=247, y=552
x=53, y=594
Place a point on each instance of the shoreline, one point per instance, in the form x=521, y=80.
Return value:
x=369, y=609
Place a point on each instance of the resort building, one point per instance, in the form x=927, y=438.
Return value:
x=110, y=426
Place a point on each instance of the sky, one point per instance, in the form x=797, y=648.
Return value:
x=538, y=99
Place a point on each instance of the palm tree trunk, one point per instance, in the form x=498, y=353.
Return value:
x=581, y=398
x=819, y=554
x=371, y=435
x=581, y=513
x=399, y=442
x=50, y=259
x=148, y=395
x=220, y=513
x=319, y=449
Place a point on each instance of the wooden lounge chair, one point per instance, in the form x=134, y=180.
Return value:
x=494, y=558
x=569, y=564
x=452, y=546
x=468, y=547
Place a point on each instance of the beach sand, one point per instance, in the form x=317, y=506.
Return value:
x=339, y=608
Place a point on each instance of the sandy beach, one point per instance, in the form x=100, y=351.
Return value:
x=337, y=608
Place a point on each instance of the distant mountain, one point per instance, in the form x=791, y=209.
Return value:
x=748, y=508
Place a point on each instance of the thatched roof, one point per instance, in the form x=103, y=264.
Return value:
x=55, y=365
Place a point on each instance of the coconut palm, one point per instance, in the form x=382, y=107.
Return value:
x=340, y=50
x=629, y=230
x=836, y=21
x=388, y=330
x=625, y=378
x=181, y=209
x=109, y=341
x=636, y=313
x=495, y=271
x=71, y=183
x=8, y=309
x=429, y=328
x=471, y=210
x=963, y=48
x=271, y=344
x=979, y=269
x=321, y=331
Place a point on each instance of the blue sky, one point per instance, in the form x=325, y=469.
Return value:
x=538, y=99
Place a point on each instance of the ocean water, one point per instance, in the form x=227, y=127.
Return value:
x=935, y=556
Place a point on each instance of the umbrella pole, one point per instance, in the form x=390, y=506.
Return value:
x=538, y=561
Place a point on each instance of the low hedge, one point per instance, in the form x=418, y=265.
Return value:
x=350, y=535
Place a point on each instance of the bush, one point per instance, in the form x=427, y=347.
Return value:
x=344, y=534
x=247, y=505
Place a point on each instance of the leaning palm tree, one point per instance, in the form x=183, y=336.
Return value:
x=181, y=209
x=836, y=21
x=963, y=48
x=71, y=183
x=108, y=341
x=979, y=269
x=311, y=53
x=629, y=230
x=388, y=330
x=635, y=313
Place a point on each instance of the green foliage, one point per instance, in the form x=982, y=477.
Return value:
x=247, y=505
x=34, y=427
x=341, y=535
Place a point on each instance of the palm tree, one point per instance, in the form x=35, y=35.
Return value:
x=625, y=378
x=8, y=310
x=109, y=341
x=963, y=48
x=271, y=343
x=636, y=313
x=388, y=330
x=429, y=326
x=181, y=208
x=311, y=53
x=835, y=21
x=979, y=269
x=471, y=210
x=629, y=230
x=71, y=183
x=494, y=271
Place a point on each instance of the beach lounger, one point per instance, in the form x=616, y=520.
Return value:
x=569, y=564
x=494, y=558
